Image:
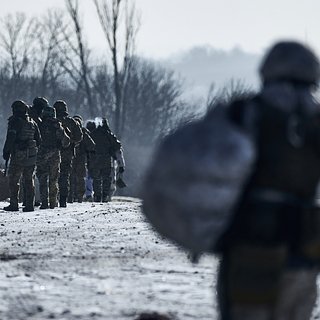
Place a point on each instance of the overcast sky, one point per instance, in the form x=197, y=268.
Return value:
x=169, y=26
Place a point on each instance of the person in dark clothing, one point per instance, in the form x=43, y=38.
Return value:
x=107, y=145
x=54, y=138
x=270, y=253
x=91, y=125
x=74, y=132
x=78, y=173
x=21, y=147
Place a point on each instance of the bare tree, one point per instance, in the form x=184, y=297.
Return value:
x=17, y=40
x=76, y=54
x=49, y=60
x=122, y=46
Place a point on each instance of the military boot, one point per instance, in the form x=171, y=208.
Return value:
x=63, y=202
x=53, y=203
x=97, y=199
x=11, y=207
x=44, y=205
x=28, y=209
x=106, y=199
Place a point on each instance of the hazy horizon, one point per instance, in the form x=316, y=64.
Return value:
x=172, y=26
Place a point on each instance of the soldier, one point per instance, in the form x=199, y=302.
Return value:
x=21, y=146
x=91, y=125
x=74, y=131
x=107, y=145
x=78, y=173
x=270, y=254
x=48, y=160
x=242, y=183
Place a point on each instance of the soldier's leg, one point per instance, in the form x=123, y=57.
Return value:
x=80, y=181
x=28, y=176
x=113, y=179
x=89, y=186
x=64, y=180
x=14, y=175
x=53, y=181
x=43, y=174
x=248, y=284
x=106, y=183
x=298, y=294
x=73, y=185
x=97, y=184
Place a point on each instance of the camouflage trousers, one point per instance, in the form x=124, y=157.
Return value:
x=48, y=164
x=15, y=173
x=64, y=178
x=77, y=180
x=101, y=174
x=255, y=284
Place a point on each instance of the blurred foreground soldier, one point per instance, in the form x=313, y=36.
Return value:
x=250, y=194
x=107, y=145
x=91, y=125
x=74, y=132
x=78, y=173
x=48, y=160
x=21, y=146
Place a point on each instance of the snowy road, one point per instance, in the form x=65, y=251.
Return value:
x=96, y=262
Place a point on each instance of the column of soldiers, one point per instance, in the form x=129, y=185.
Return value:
x=44, y=141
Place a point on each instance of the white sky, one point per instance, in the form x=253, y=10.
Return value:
x=168, y=26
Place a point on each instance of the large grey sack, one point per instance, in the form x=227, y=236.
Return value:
x=195, y=180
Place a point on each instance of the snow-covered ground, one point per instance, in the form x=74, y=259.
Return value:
x=97, y=261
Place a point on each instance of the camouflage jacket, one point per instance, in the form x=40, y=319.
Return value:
x=74, y=131
x=85, y=147
x=53, y=135
x=22, y=134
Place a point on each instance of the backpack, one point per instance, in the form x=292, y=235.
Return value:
x=73, y=129
x=196, y=179
x=26, y=149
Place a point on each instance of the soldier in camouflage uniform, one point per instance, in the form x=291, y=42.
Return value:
x=91, y=125
x=21, y=146
x=34, y=113
x=107, y=145
x=78, y=174
x=74, y=131
x=48, y=160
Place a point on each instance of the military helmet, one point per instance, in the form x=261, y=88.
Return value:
x=290, y=61
x=61, y=107
x=19, y=107
x=48, y=112
x=91, y=125
x=39, y=103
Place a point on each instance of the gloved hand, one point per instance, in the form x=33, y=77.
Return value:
x=121, y=169
x=6, y=156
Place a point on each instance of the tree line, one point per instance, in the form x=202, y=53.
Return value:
x=49, y=56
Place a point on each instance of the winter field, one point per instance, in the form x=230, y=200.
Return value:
x=97, y=261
